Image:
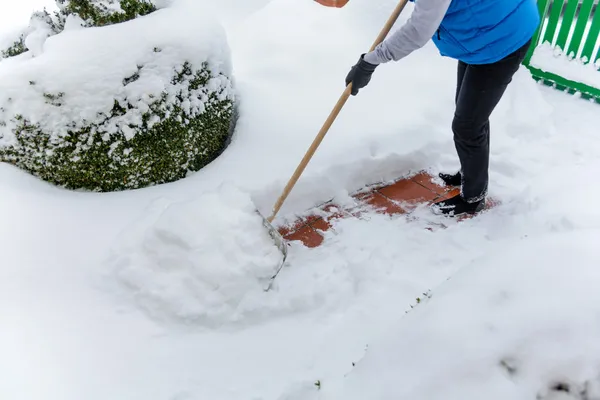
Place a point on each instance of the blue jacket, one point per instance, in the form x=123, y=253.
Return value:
x=485, y=31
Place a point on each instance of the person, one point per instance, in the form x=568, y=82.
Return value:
x=490, y=39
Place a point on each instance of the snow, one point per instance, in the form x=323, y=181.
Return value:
x=110, y=5
x=15, y=21
x=87, y=313
x=15, y=15
x=86, y=70
x=551, y=59
x=196, y=262
x=510, y=324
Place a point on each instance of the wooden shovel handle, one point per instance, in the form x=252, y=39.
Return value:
x=333, y=115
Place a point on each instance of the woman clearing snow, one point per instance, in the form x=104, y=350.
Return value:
x=489, y=38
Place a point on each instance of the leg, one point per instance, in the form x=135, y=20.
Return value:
x=460, y=76
x=455, y=179
x=482, y=88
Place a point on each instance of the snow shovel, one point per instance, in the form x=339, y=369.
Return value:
x=277, y=238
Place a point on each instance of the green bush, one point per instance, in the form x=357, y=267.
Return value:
x=168, y=144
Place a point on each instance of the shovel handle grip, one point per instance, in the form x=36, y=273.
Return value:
x=333, y=115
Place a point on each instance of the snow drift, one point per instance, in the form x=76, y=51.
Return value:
x=194, y=262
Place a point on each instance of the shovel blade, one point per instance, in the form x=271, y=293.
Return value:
x=281, y=245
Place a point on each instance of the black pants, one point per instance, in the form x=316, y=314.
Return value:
x=479, y=88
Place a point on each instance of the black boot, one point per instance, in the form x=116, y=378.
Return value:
x=456, y=206
x=451, y=180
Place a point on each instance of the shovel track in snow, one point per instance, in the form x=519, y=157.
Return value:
x=399, y=197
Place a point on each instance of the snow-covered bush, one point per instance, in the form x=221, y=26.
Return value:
x=89, y=12
x=105, y=12
x=121, y=106
x=41, y=22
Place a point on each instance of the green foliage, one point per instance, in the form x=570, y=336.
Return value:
x=18, y=47
x=93, y=159
x=98, y=13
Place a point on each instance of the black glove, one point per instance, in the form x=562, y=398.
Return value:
x=360, y=75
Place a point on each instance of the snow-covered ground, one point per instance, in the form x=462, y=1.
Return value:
x=105, y=296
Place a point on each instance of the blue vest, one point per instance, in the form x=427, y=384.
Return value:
x=485, y=31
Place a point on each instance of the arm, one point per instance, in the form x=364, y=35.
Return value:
x=416, y=32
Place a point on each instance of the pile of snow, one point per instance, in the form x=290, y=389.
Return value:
x=196, y=261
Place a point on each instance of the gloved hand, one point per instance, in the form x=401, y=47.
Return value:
x=360, y=75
